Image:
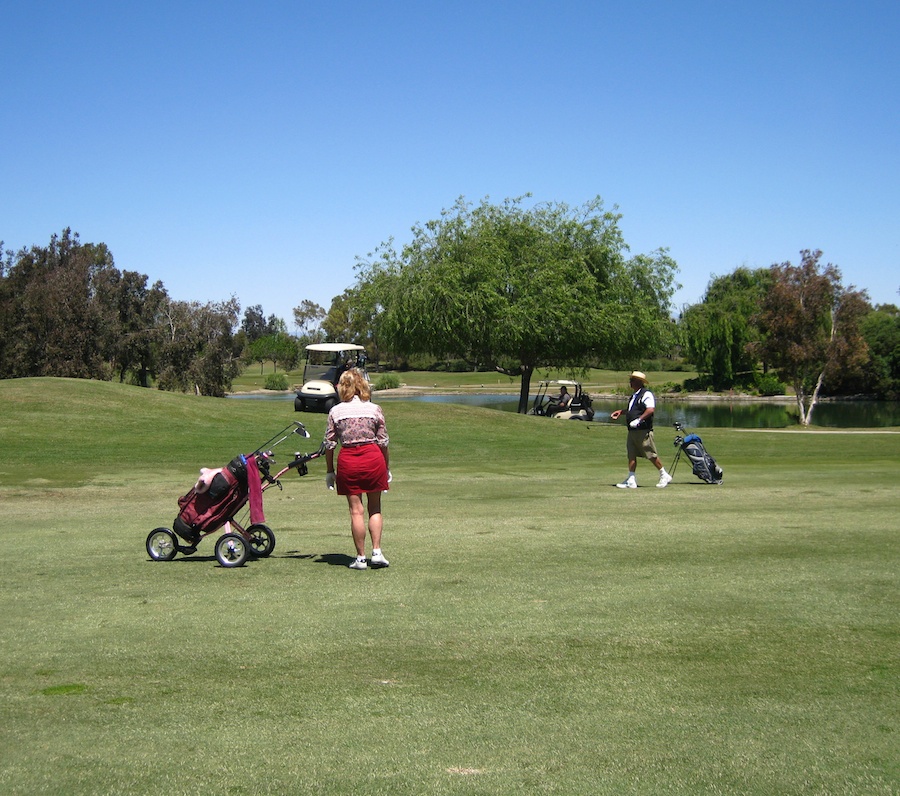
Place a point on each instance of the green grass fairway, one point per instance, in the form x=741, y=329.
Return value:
x=538, y=631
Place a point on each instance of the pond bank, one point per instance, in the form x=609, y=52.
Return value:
x=412, y=391
x=700, y=410
x=404, y=391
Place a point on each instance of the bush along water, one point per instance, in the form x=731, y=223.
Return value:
x=387, y=381
x=276, y=381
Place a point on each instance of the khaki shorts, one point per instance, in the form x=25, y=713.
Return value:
x=640, y=444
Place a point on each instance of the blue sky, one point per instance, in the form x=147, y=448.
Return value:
x=256, y=149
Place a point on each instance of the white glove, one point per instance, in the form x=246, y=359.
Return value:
x=635, y=423
x=329, y=480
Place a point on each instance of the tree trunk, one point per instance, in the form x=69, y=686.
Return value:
x=525, y=389
x=814, y=399
x=806, y=412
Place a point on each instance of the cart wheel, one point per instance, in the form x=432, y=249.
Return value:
x=162, y=545
x=232, y=550
x=262, y=540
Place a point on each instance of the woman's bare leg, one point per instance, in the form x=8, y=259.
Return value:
x=357, y=523
x=376, y=522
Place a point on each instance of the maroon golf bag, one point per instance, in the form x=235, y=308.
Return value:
x=224, y=495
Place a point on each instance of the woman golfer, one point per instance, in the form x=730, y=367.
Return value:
x=362, y=466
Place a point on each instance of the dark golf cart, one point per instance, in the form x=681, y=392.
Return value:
x=547, y=402
x=325, y=362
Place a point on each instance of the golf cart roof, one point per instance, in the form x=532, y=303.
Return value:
x=334, y=347
x=567, y=382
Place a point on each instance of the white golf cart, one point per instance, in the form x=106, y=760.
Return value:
x=325, y=362
x=549, y=401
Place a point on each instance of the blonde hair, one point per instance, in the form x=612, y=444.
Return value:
x=352, y=382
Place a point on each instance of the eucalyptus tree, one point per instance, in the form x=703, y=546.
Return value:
x=308, y=317
x=254, y=323
x=7, y=306
x=516, y=288
x=810, y=327
x=58, y=306
x=139, y=308
x=197, y=349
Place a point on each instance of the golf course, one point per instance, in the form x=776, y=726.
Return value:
x=538, y=631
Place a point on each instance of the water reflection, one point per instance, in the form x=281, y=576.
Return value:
x=693, y=414
x=696, y=414
x=716, y=414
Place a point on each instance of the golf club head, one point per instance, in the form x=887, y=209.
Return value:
x=301, y=429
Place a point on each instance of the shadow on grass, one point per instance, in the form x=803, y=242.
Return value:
x=672, y=484
x=191, y=559
x=333, y=559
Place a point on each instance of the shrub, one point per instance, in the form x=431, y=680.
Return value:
x=276, y=381
x=769, y=384
x=699, y=384
x=387, y=381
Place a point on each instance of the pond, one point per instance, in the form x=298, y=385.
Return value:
x=693, y=414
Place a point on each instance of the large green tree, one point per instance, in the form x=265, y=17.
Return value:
x=279, y=348
x=810, y=326
x=517, y=288
x=352, y=318
x=718, y=330
x=881, y=330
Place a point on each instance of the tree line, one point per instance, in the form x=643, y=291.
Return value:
x=517, y=289
x=504, y=287
x=793, y=323
x=66, y=310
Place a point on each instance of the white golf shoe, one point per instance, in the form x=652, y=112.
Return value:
x=664, y=479
x=628, y=483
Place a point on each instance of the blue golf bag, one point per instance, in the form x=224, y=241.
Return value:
x=704, y=466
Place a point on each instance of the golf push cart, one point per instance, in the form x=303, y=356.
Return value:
x=547, y=401
x=217, y=497
x=325, y=362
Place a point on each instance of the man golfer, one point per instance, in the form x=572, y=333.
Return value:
x=639, y=416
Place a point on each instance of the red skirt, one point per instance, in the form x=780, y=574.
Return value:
x=360, y=469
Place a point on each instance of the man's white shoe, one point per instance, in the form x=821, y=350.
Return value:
x=628, y=483
x=378, y=560
x=664, y=480
x=359, y=563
